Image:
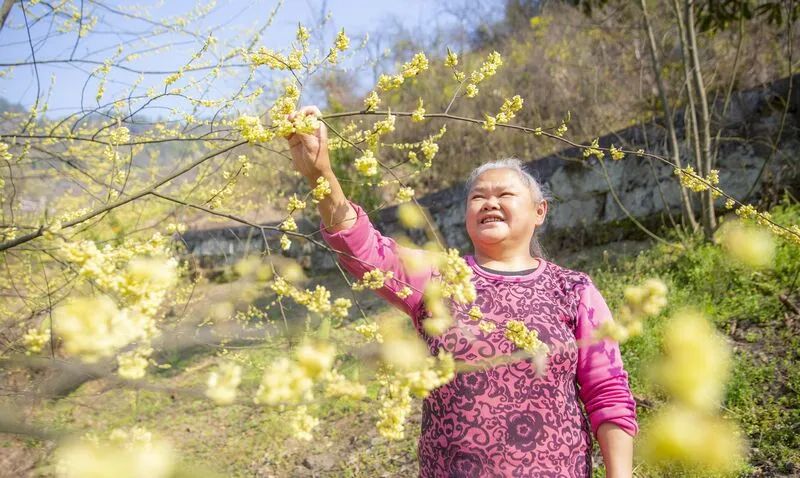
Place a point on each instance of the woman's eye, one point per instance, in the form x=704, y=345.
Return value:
x=506, y=194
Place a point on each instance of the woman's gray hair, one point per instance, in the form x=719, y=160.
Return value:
x=537, y=192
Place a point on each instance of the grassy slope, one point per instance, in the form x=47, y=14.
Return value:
x=241, y=440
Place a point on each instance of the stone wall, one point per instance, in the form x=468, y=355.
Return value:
x=583, y=208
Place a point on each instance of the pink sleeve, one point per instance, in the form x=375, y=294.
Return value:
x=362, y=248
x=602, y=379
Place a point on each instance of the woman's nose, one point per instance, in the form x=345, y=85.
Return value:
x=490, y=203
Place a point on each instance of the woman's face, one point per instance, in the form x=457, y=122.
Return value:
x=501, y=210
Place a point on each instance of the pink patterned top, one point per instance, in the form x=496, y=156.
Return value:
x=507, y=420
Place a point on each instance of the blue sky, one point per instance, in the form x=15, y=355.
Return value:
x=228, y=19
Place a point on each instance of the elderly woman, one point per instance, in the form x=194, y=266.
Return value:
x=507, y=420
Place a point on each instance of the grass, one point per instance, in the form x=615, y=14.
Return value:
x=763, y=394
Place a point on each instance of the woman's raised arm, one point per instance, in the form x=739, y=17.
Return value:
x=310, y=158
x=347, y=229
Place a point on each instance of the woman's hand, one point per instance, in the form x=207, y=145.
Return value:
x=310, y=158
x=310, y=151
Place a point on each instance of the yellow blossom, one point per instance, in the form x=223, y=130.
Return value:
x=747, y=244
x=283, y=382
x=387, y=83
x=132, y=365
x=405, y=292
x=370, y=332
x=374, y=279
x=524, y=338
x=451, y=60
x=372, y=101
x=339, y=386
x=315, y=358
x=94, y=327
x=301, y=423
x=367, y=164
x=404, y=194
x=322, y=189
x=616, y=154
x=295, y=203
x=288, y=225
x=489, y=123
x=700, y=442
x=419, y=113
x=285, y=242
x=475, y=313
x=34, y=340
x=342, y=43
x=221, y=385
x=410, y=216
x=487, y=326
x=471, y=91
x=417, y=65
x=561, y=130
x=697, y=362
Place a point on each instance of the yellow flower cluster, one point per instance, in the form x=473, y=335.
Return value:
x=140, y=273
x=395, y=407
x=418, y=114
x=119, y=135
x=747, y=244
x=388, y=83
x=410, y=216
x=370, y=331
x=222, y=385
x=507, y=112
x=561, y=130
x=429, y=149
x=367, y=164
x=372, y=101
x=291, y=381
x=339, y=386
x=34, y=340
x=398, y=388
x=693, y=181
x=301, y=423
x=451, y=60
x=288, y=225
x=4, y=154
x=417, y=65
x=285, y=242
x=125, y=454
x=487, y=69
x=439, y=320
x=487, y=326
x=475, y=313
x=276, y=60
x=342, y=43
x=322, y=189
x=640, y=301
x=594, y=150
x=251, y=129
x=749, y=212
x=456, y=276
x=95, y=327
x=689, y=431
x=524, y=338
x=317, y=300
x=404, y=194
x=132, y=365
x=616, y=154
x=374, y=279
x=295, y=203
x=404, y=292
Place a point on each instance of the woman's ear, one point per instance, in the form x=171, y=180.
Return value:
x=541, y=212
